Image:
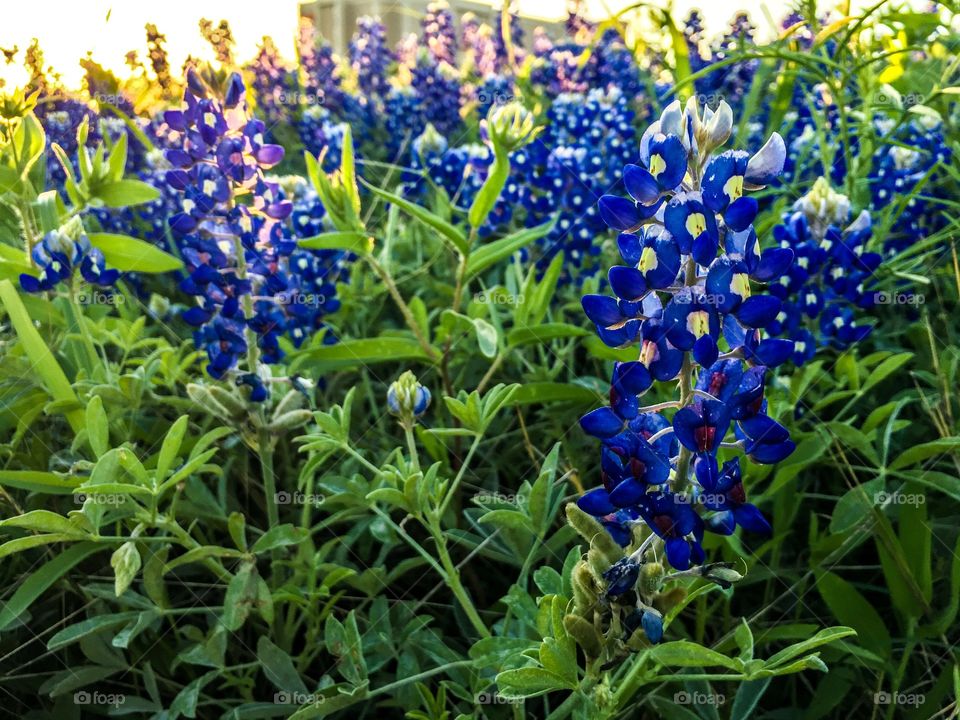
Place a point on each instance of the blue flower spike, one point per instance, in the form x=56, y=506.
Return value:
x=690, y=298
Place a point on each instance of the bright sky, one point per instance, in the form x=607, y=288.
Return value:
x=68, y=29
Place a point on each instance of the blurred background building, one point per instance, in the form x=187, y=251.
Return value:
x=337, y=19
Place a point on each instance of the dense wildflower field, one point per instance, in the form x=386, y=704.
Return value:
x=600, y=373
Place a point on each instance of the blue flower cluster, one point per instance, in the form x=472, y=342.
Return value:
x=370, y=57
x=831, y=276
x=588, y=139
x=904, y=167
x=237, y=254
x=59, y=255
x=274, y=84
x=685, y=295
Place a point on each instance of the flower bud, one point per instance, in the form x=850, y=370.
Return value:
x=407, y=398
x=823, y=206
x=622, y=576
x=721, y=573
x=511, y=126
x=429, y=143
x=651, y=575
x=652, y=623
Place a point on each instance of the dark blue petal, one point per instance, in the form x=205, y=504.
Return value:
x=741, y=213
x=678, y=553
x=601, y=423
x=619, y=213
x=602, y=310
x=627, y=282
x=641, y=185
x=596, y=502
x=751, y=519
x=758, y=311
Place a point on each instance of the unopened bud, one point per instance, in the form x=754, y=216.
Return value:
x=407, y=398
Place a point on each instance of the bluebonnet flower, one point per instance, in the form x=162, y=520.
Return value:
x=59, y=255
x=831, y=277
x=478, y=46
x=687, y=295
x=319, y=64
x=319, y=132
x=407, y=399
x=370, y=57
x=439, y=91
x=908, y=164
x=229, y=249
x=587, y=141
x=274, y=84
x=61, y=118
x=440, y=33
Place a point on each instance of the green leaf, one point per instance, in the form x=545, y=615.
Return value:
x=508, y=519
x=38, y=481
x=492, y=186
x=91, y=626
x=747, y=697
x=452, y=234
x=492, y=253
x=38, y=581
x=44, y=521
x=683, y=653
x=278, y=667
x=934, y=448
x=351, y=353
x=124, y=193
x=44, y=364
x=280, y=536
x=851, y=608
x=487, y=337
x=125, y=562
x=855, y=505
x=823, y=637
x=31, y=541
x=171, y=447
x=548, y=392
x=356, y=242
x=543, y=333
x=530, y=682
x=131, y=255
x=885, y=369
x=97, y=426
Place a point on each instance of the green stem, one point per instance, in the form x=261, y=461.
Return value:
x=457, y=480
x=402, y=305
x=265, y=451
x=453, y=580
x=76, y=315
x=412, y=446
